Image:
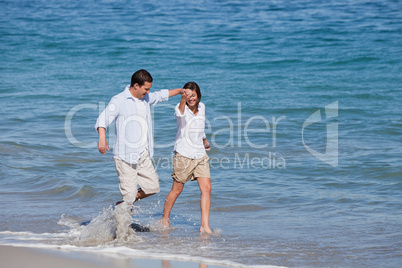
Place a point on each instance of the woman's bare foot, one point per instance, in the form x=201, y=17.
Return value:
x=206, y=230
x=165, y=223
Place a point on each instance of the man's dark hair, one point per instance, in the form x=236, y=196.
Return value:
x=193, y=86
x=140, y=77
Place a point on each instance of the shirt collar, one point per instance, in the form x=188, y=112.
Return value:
x=191, y=112
x=127, y=92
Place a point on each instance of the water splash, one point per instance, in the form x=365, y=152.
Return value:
x=101, y=229
x=110, y=225
x=123, y=214
x=157, y=226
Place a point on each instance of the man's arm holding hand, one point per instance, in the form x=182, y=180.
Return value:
x=174, y=92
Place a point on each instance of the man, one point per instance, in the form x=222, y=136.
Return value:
x=133, y=146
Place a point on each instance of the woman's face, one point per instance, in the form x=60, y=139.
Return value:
x=192, y=100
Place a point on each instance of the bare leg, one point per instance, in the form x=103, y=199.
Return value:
x=205, y=203
x=176, y=190
x=140, y=195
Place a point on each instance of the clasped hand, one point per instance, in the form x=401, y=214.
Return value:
x=185, y=92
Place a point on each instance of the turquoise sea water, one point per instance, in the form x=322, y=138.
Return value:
x=265, y=70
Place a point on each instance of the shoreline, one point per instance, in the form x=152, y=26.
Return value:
x=20, y=256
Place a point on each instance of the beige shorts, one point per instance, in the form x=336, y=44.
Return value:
x=131, y=176
x=185, y=169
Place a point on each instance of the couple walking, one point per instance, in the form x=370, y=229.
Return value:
x=133, y=145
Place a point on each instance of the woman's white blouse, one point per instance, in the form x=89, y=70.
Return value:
x=190, y=132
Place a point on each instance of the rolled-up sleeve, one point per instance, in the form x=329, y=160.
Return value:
x=177, y=113
x=158, y=96
x=108, y=115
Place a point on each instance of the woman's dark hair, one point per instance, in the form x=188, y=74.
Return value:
x=140, y=77
x=193, y=86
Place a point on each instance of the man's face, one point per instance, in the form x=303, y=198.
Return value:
x=141, y=91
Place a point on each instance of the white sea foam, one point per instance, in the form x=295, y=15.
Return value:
x=119, y=252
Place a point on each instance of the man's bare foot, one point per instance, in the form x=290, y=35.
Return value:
x=206, y=230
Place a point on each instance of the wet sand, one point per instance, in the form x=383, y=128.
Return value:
x=21, y=257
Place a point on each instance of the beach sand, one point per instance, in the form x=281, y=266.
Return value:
x=21, y=257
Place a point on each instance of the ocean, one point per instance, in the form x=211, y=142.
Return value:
x=303, y=105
